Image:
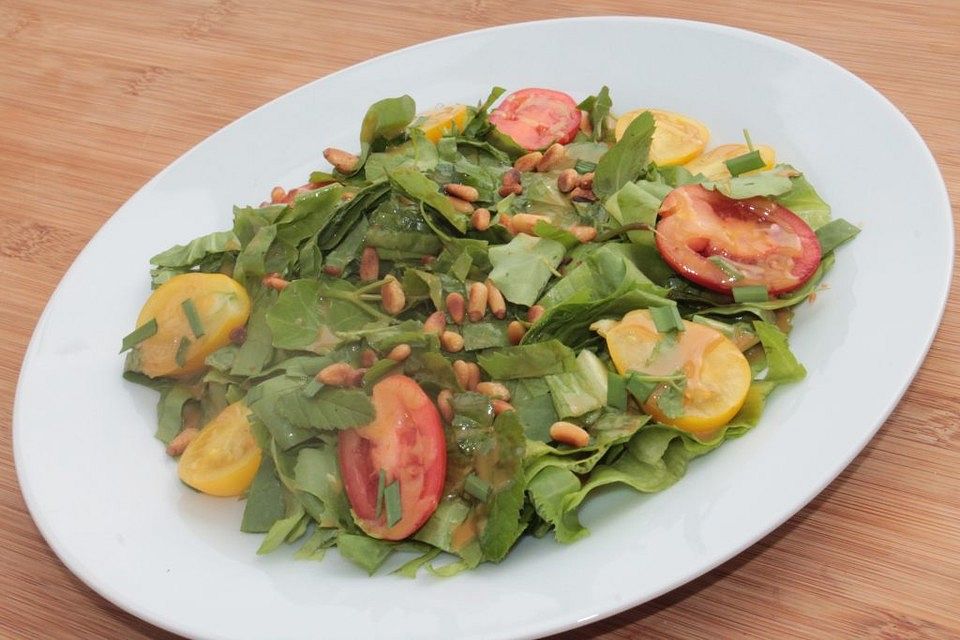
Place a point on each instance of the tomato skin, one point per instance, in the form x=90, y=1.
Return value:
x=536, y=118
x=406, y=441
x=718, y=375
x=223, y=459
x=222, y=304
x=766, y=242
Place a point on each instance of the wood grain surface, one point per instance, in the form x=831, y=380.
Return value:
x=98, y=96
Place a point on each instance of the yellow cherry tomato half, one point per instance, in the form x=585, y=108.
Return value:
x=676, y=139
x=223, y=459
x=711, y=164
x=718, y=375
x=221, y=305
x=438, y=122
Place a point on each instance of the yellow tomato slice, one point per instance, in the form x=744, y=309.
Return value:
x=222, y=305
x=718, y=375
x=223, y=459
x=676, y=138
x=438, y=122
x=711, y=164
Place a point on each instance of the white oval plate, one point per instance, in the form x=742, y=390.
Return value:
x=107, y=498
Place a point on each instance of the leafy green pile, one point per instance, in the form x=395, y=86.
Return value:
x=393, y=201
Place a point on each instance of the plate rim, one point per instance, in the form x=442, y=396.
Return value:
x=532, y=629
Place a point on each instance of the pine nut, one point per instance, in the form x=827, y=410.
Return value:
x=460, y=205
x=510, y=189
x=510, y=177
x=552, y=157
x=501, y=406
x=400, y=352
x=369, y=265
x=238, y=335
x=580, y=194
x=585, y=125
x=534, y=313
x=456, y=307
x=525, y=222
x=461, y=370
x=179, y=444
x=568, y=180
x=367, y=358
x=331, y=270
x=443, y=404
x=477, y=301
x=515, y=332
x=494, y=390
x=480, y=220
x=474, y=378
x=274, y=281
x=277, y=194
x=462, y=191
x=392, y=298
x=586, y=181
x=569, y=433
x=528, y=162
x=427, y=260
x=506, y=221
x=451, y=341
x=582, y=233
x=498, y=306
x=435, y=323
x=342, y=161
x=340, y=374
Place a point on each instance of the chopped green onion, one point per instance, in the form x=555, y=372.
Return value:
x=585, y=166
x=835, y=233
x=666, y=319
x=182, y=348
x=746, y=136
x=192, y=317
x=311, y=388
x=746, y=162
x=724, y=265
x=616, y=391
x=391, y=497
x=381, y=485
x=380, y=369
x=751, y=293
x=477, y=487
x=138, y=335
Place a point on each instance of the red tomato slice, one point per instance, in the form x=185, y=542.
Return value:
x=406, y=441
x=765, y=242
x=536, y=118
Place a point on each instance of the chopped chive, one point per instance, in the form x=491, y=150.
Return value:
x=192, y=317
x=138, y=335
x=182, y=348
x=746, y=162
x=381, y=484
x=724, y=265
x=585, y=166
x=391, y=498
x=751, y=293
x=311, y=388
x=835, y=233
x=616, y=391
x=666, y=319
x=477, y=487
x=746, y=136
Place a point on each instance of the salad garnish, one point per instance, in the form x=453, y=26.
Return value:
x=451, y=338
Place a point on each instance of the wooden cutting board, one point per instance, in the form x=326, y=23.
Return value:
x=98, y=96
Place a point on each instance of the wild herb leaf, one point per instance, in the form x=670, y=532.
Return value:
x=522, y=268
x=528, y=361
x=626, y=160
